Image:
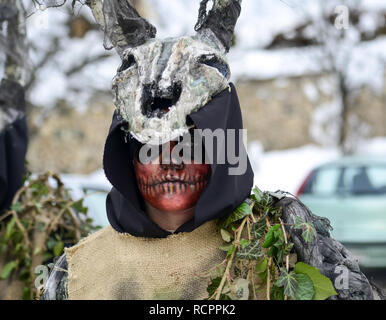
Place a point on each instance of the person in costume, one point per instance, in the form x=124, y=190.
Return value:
x=163, y=214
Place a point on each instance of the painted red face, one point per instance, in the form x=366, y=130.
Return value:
x=171, y=187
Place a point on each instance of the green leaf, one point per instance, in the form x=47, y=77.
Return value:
x=288, y=281
x=305, y=289
x=242, y=211
x=8, y=269
x=262, y=266
x=251, y=252
x=38, y=206
x=244, y=243
x=17, y=206
x=287, y=248
x=229, y=248
x=272, y=252
x=79, y=207
x=270, y=236
x=279, y=238
x=26, y=293
x=39, y=189
x=51, y=242
x=258, y=228
x=9, y=229
x=213, y=285
x=322, y=285
x=309, y=232
x=277, y=293
x=58, y=249
x=258, y=195
x=225, y=235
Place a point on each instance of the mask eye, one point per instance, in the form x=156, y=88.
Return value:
x=127, y=63
x=213, y=61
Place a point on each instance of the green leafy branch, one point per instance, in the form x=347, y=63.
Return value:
x=42, y=220
x=258, y=251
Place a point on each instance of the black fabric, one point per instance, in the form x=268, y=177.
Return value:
x=13, y=148
x=221, y=196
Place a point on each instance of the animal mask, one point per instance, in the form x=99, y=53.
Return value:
x=160, y=82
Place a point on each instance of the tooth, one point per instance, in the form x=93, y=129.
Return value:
x=183, y=176
x=178, y=187
x=183, y=188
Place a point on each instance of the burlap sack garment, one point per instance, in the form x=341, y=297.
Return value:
x=113, y=265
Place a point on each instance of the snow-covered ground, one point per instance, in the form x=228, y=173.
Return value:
x=286, y=169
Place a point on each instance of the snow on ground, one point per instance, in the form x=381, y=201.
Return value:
x=286, y=169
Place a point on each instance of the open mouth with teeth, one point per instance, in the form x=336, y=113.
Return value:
x=156, y=103
x=172, y=185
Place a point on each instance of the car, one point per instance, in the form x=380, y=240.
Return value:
x=351, y=193
x=93, y=188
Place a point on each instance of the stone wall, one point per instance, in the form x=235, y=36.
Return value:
x=287, y=113
x=70, y=140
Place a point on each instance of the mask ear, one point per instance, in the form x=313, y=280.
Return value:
x=121, y=23
x=220, y=20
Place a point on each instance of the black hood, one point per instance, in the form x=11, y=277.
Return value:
x=223, y=193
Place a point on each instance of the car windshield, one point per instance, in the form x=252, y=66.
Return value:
x=354, y=180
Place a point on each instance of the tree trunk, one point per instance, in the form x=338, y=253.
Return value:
x=344, y=113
